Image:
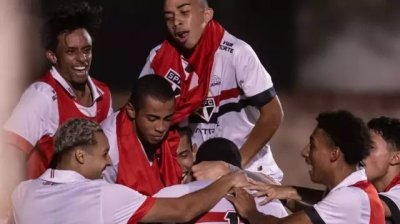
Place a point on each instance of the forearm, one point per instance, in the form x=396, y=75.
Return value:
x=187, y=207
x=271, y=116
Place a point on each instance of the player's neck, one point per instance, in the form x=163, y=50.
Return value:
x=340, y=173
x=382, y=182
x=83, y=94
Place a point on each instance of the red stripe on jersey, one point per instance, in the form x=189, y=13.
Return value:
x=377, y=215
x=227, y=94
x=17, y=141
x=142, y=210
x=394, y=182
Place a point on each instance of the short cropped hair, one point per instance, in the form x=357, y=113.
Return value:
x=388, y=128
x=74, y=133
x=219, y=149
x=347, y=132
x=67, y=18
x=153, y=86
x=186, y=131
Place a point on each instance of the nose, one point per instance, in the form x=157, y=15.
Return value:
x=161, y=126
x=177, y=20
x=305, y=151
x=81, y=56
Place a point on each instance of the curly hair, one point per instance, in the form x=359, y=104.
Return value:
x=388, y=128
x=67, y=18
x=73, y=133
x=151, y=85
x=347, y=132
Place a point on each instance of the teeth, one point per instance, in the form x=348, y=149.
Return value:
x=80, y=68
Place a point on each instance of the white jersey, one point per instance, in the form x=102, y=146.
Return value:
x=223, y=211
x=344, y=204
x=239, y=86
x=61, y=196
x=109, y=126
x=392, y=200
x=36, y=114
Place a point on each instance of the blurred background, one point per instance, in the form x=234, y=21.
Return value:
x=321, y=55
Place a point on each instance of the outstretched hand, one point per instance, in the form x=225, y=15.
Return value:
x=243, y=202
x=271, y=191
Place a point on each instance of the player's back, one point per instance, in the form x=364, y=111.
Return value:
x=223, y=211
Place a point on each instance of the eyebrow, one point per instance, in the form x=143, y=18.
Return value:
x=179, y=7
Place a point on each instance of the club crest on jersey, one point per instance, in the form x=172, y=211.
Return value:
x=207, y=110
x=175, y=80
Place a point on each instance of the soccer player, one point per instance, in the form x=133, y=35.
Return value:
x=338, y=144
x=221, y=87
x=74, y=192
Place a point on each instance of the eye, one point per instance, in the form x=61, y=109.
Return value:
x=151, y=118
x=87, y=50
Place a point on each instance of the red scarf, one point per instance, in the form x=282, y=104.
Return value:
x=40, y=157
x=394, y=182
x=201, y=60
x=377, y=214
x=134, y=170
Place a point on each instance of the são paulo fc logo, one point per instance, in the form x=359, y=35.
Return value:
x=175, y=80
x=207, y=110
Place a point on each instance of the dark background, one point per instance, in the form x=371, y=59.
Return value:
x=130, y=29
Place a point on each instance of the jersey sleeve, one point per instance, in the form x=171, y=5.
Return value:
x=109, y=126
x=392, y=200
x=30, y=118
x=344, y=204
x=174, y=191
x=251, y=75
x=121, y=204
x=274, y=208
x=147, y=69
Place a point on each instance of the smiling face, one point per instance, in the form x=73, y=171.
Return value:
x=318, y=156
x=186, y=20
x=153, y=120
x=73, y=56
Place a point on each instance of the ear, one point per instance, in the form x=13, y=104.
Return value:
x=395, y=159
x=335, y=154
x=131, y=111
x=208, y=14
x=80, y=156
x=51, y=56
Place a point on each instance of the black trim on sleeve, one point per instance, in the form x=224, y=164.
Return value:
x=314, y=216
x=394, y=210
x=262, y=98
x=258, y=101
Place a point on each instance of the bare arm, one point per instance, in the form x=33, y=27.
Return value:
x=185, y=208
x=271, y=115
x=245, y=206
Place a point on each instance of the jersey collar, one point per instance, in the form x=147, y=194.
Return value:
x=96, y=92
x=62, y=176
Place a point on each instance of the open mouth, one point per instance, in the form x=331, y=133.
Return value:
x=182, y=36
x=80, y=70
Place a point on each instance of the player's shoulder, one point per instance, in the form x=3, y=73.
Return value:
x=41, y=88
x=229, y=40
